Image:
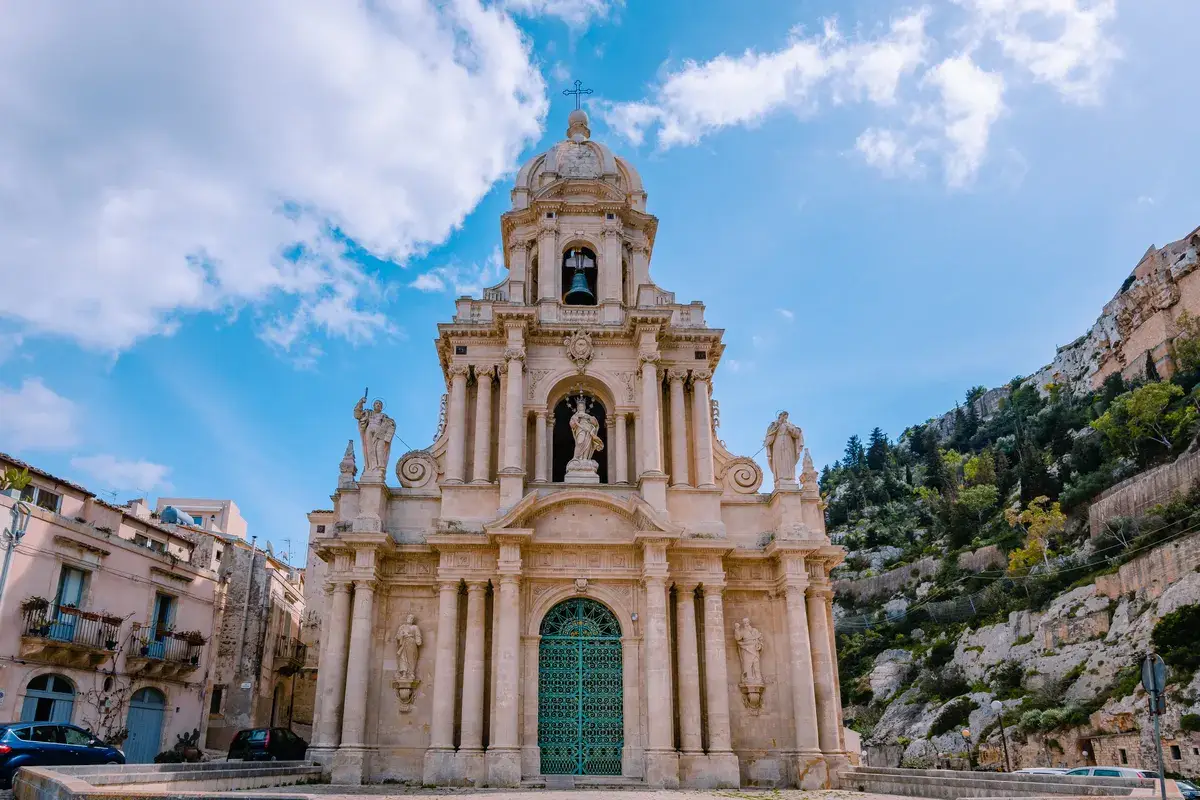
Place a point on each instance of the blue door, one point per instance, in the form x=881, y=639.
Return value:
x=145, y=726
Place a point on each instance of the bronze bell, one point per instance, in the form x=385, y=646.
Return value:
x=580, y=294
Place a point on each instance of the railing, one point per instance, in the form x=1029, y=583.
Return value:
x=71, y=625
x=164, y=646
x=291, y=651
x=568, y=314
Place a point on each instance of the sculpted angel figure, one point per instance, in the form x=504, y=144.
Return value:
x=377, y=430
x=784, y=443
x=408, y=648
x=586, y=430
x=750, y=644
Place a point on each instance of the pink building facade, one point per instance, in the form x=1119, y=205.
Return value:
x=107, y=623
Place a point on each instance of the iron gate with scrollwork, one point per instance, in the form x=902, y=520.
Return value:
x=580, y=722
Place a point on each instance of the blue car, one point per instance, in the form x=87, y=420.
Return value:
x=45, y=744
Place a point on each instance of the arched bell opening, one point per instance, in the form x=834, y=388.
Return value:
x=579, y=277
x=563, y=441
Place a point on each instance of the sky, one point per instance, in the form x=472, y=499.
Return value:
x=221, y=222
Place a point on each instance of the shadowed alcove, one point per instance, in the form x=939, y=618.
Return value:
x=563, y=442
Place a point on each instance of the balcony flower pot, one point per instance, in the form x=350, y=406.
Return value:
x=145, y=650
x=110, y=644
x=195, y=660
x=34, y=603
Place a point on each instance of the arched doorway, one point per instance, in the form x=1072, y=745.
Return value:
x=581, y=728
x=563, y=443
x=48, y=698
x=146, y=709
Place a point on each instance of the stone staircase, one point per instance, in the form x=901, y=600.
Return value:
x=944, y=784
x=582, y=782
x=148, y=781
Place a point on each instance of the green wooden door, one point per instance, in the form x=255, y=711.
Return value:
x=580, y=722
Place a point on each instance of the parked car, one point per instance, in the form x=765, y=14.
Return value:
x=1188, y=789
x=47, y=744
x=1042, y=771
x=267, y=744
x=1114, y=772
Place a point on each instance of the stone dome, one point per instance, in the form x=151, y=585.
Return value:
x=577, y=157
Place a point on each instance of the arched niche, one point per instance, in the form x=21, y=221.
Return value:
x=562, y=386
x=562, y=440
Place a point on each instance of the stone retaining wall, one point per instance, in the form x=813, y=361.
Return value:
x=888, y=583
x=1131, y=497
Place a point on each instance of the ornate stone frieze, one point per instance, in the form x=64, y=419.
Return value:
x=557, y=559
x=579, y=349
x=629, y=381
x=443, y=410
x=533, y=377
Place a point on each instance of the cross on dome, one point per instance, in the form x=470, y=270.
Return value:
x=577, y=91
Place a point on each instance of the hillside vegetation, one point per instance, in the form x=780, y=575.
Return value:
x=1016, y=479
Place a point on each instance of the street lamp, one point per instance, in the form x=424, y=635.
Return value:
x=11, y=537
x=998, y=707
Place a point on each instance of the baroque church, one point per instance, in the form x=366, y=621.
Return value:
x=577, y=578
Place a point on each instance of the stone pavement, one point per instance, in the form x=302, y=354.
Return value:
x=330, y=792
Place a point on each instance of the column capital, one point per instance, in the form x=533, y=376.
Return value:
x=477, y=586
x=540, y=413
x=819, y=590
x=519, y=247
x=457, y=370
x=368, y=585
x=677, y=374
x=701, y=375
x=514, y=354
x=485, y=371
x=335, y=585
x=654, y=580
x=510, y=579
x=685, y=585
x=610, y=422
x=795, y=588
x=502, y=368
x=649, y=358
x=449, y=584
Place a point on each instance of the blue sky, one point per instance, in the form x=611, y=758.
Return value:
x=882, y=204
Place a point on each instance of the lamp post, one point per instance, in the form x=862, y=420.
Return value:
x=11, y=537
x=998, y=707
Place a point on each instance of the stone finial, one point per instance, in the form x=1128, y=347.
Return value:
x=348, y=469
x=577, y=126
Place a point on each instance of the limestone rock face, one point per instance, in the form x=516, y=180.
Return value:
x=892, y=668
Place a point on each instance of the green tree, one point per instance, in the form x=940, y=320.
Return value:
x=1185, y=349
x=1145, y=416
x=1151, y=369
x=877, y=450
x=1176, y=637
x=980, y=469
x=1039, y=521
x=979, y=500
x=855, y=456
x=12, y=478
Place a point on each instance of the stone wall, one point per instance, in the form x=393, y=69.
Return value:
x=1132, y=497
x=1153, y=571
x=863, y=590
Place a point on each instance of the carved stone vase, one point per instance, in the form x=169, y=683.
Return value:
x=405, y=689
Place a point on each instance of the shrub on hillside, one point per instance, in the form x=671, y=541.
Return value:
x=953, y=715
x=1176, y=638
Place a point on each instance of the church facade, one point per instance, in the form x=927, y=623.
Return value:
x=576, y=577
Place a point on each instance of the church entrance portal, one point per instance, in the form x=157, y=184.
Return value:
x=580, y=726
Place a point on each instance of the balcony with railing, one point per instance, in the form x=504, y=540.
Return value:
x=290, y=653
x=162, y=653
x=67, y=635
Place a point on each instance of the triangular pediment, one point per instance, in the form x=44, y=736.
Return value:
x=639, y=515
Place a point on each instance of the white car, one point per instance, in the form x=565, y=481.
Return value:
x=1114, y=772
x=1041, y=771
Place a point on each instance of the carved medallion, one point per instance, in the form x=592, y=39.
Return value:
x=579, y=349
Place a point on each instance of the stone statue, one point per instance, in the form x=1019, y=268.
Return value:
x=586, y=430
x=750, y=644
x=408, y=648
x=377, y=430
x=784, y=444
x=348, y=469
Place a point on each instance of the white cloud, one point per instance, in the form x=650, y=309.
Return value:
x=698, y=99
x=971, y=100
x=888, y=151
x=576, y=13
x=470, y=279
x=116, y=473
x=34, y=417
x=168, y=159
x=559, y=72
x=1145, y=200
x=1062, y=43
x=786, y=314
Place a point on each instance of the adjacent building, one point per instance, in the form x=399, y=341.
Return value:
x=108, y=619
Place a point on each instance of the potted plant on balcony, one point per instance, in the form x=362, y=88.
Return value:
x=34, y=603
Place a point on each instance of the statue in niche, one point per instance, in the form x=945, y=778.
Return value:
x=586, y=430
x=376, y=429
x=784, y=444
x=408, y=648
x=750, y=644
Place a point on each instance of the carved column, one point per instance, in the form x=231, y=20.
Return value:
x=702, y=426
x=481, y=470
x=679, y=446
x=689, y=669
x=804, y=703
x=649, y=424
x=504, y=754
x=548, y=259
x=610, y=451
x=514, y=429
x=662, y=761
x=825, y=685
x=610, y=259
x=540, y=461
x=715, y=669
x=621, y=448
x=456, y=450
x=331, y=677
x=445, y=667
x=358, y=669
x=473, y=668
